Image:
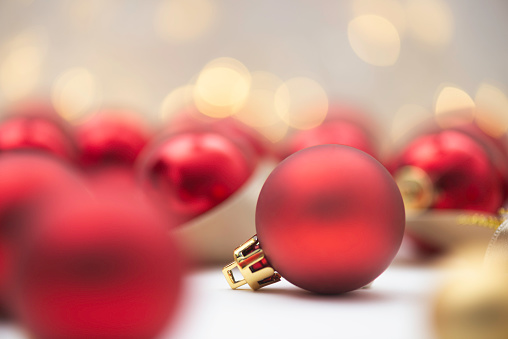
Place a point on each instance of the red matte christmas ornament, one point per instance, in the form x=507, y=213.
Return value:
x=26, y=178
x=111, y=138
x=329, y=219
x=97, y=268
x=448, y=169
x=188, y=174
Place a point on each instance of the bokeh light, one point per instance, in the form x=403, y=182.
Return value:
x=392, y=10
x=75, y=93
x=302, y=103
x=453, y=107
x=259, y=110
x=430, y=22
x=179, y=100
x=491, y=110
x=22, y=66
x=222, y=87
x=82, y=14
x=184, y=20
x=374, y=39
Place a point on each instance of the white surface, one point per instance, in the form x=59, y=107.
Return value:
x=396, y=306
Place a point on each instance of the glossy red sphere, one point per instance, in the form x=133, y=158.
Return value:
x=241, y=134
x=102, y=269
x=332, y=132
x=38, y=132
x=460, y=169
x=111, y=138
x=496, y=149
x=26, y=178
x=330, y=219
x=190, y=173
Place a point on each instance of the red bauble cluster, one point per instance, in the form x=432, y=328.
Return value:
x=330, y=219
x=85, y=244
x=81, y=257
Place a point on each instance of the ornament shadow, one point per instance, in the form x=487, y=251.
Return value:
x=368, y=295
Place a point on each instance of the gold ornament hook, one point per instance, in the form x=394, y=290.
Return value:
x=251, y=262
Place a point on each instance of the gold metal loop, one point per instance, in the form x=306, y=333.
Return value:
x=250, y=260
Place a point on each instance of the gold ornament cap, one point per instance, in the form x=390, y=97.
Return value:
x=416, y=187
x=250, y=260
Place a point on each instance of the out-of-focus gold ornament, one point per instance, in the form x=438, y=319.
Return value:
x=473, y=303
x=473, y=306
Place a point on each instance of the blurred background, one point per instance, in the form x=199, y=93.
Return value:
x=394, y=57
x=280, y=67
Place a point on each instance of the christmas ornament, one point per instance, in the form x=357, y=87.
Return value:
x=188, y=174
x=329, y=219
x=496, y=148
x=497, y=251
x=331, y=132
x=241, y=134
x=111, y=138
x=97, y=268
x=37, y=127
x=208, y=238
x=448, y=170
x=26, y=178
x=472, y=305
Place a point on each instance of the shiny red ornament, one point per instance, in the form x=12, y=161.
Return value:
x=495, y=147
x=190, y=173
x=241, y=134
x=25, y=179
x=456, y=169
x=111, y=138
x=332, y=132
x=330, y=219
x=37, y=127
x=97, y=268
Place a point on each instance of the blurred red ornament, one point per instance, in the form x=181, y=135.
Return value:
x=333, y=132
x=330, y=219
x=190, y=173
x=25, y=178
x=496, y=148
x=102, y=269
x=36, y=126
x=111, y=138
x=448, y=170
x=235, y=130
